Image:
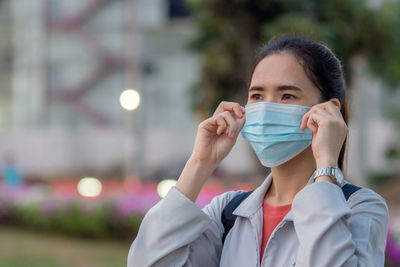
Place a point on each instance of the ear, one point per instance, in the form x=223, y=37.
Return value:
x=336, y=102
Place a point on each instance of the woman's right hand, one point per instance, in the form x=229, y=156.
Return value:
x=217, y=134
x=215, y=139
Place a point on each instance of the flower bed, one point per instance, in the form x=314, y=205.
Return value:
x=393, y=243
x=116, y=218
x=58, y=207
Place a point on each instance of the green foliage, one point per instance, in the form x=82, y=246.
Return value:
x=229, y=33
x=76, y=219
x=73, y=219
x=29, y=214
x=378, y=178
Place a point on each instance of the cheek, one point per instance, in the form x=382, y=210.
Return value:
x=250, y=100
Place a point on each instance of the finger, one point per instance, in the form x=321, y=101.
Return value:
x=234, y=108
x=322, y=111
x=314, y=121
x=239, y=123
x=333, y=109
x=306, y=117
x=304, y=120
x=221, y=124
x=230, y=121
x=210, y=125
x=312, y=126
x=238, y=109
x=330, y=106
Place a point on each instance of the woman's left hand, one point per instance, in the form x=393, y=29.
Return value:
x=329, y=132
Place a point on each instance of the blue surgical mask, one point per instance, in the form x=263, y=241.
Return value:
x=273, y=130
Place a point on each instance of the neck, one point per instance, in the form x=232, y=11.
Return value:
x=289, y=178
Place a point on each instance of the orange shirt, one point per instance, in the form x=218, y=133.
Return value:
x=272, y=215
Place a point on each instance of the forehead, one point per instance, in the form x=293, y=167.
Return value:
x=278, y=69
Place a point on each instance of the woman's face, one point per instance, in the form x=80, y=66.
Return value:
x=281, y=79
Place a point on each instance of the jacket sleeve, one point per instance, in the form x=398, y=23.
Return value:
x=332, y=233
x=176, y=232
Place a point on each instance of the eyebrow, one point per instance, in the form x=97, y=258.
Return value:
x=279, y=88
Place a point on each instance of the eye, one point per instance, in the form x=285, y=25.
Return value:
x=288, y=97
x=256, y=97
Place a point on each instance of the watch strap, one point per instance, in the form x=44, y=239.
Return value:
x=327, y=171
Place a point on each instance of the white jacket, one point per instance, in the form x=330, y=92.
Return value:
x=321, y=230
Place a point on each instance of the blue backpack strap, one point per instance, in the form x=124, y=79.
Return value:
x=228, y=219
x=349, y=189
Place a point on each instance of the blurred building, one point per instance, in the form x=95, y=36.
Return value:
x=68, y=63
x=6, y=50
x=371, y=132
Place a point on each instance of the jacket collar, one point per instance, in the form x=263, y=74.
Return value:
x=254, y=201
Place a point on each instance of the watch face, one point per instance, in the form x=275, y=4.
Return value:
x=339, y=176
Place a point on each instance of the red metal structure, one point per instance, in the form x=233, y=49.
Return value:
x=107, y=63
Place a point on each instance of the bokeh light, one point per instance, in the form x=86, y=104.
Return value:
x=129, y=99
x=89, y=187
x=164, y=186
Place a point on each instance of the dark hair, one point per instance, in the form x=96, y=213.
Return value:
x=321, y=66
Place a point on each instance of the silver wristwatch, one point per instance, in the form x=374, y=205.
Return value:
x=334, y=172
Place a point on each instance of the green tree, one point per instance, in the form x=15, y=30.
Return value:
x=230, y=31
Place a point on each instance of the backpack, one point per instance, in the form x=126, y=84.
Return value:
x=228, y=219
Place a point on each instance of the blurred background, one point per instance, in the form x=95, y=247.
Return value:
x=100, y=102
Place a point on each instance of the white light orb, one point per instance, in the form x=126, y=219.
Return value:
x=129, y=99
x=164, y=186
x=89, y=187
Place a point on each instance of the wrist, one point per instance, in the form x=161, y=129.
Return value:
x=193, y=177
x=326, y=163
x=324, y=178
x=201, y=165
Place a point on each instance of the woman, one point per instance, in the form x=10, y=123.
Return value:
x=295, y=119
